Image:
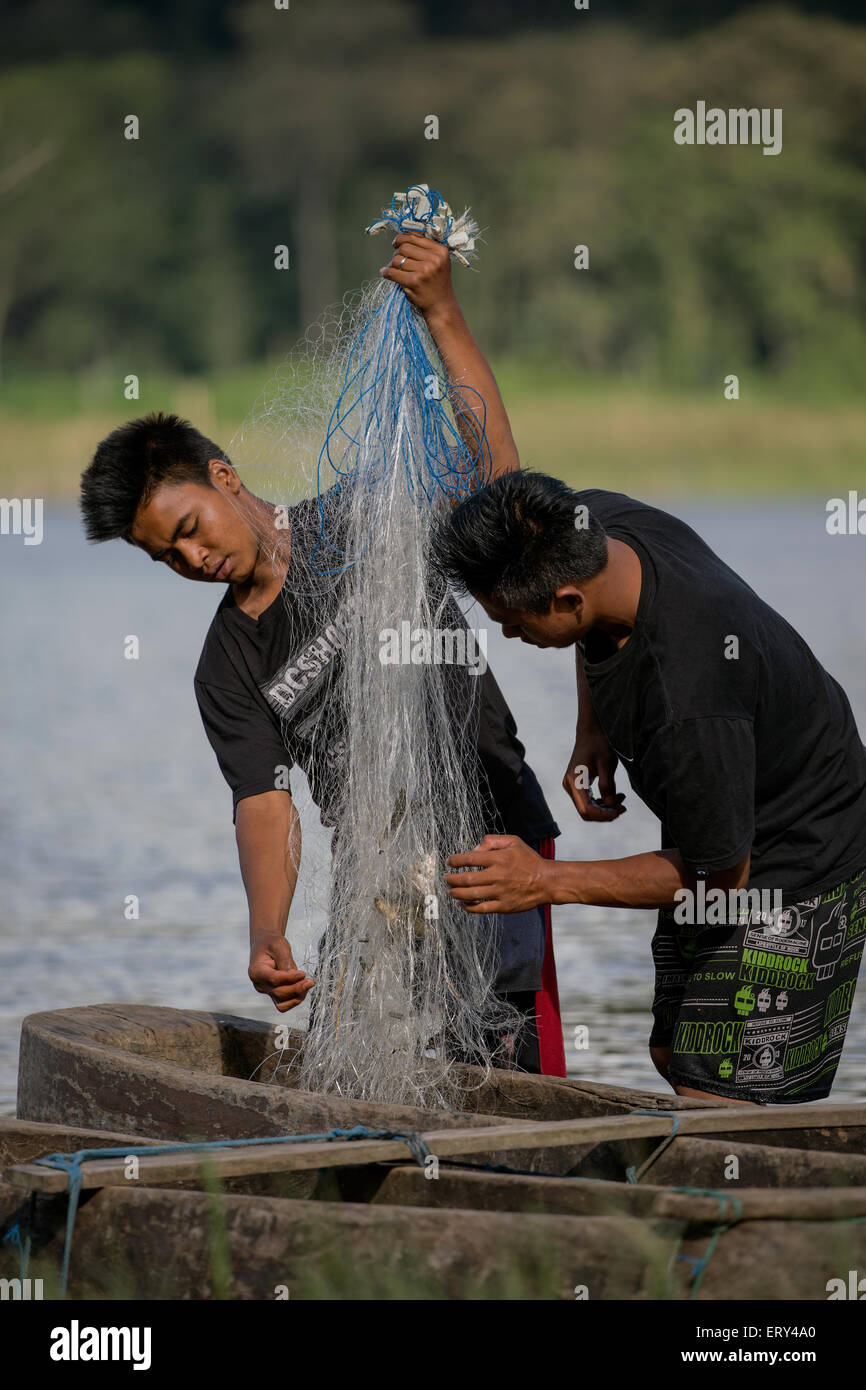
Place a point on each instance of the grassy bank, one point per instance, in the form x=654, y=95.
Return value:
x=605, y=434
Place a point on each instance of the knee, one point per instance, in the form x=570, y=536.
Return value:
x=661, y=1060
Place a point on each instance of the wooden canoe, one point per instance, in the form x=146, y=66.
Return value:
x=393, y=1233
x=365, y=1222
x=186, y=1075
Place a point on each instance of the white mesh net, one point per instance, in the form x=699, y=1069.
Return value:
x=379, y=698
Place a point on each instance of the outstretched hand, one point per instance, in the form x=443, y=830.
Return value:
x=508, y=876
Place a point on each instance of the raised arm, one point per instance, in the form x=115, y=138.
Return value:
x=268, y=832
x=423, y=268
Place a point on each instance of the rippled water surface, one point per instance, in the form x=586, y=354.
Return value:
x=110, y=788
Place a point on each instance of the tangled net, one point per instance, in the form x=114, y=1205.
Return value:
x=386, y=728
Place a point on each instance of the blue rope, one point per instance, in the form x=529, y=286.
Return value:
x=725, y=1222
x=70, y=1163
x=399, y=219
x=632, y=1172
x=14, y=1237
x=721, y=1197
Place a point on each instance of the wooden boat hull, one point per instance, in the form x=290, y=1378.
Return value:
x=181, y=1075
x=397, y=1234
x=793, y=1207
x=185, y=1075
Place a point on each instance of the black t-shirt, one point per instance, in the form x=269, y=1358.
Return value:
x=729, y=729
x=263, y=683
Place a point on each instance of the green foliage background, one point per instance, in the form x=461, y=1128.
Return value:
x=262, y=126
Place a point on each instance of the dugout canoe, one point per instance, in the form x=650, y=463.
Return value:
x=186, y=1075
x=113, y=1077
x=183, y=1075
x=469, y=1233
x=148, y=1243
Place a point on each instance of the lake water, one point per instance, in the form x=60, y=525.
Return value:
x=110, y=788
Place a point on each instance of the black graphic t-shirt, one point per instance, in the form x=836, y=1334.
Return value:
x=728, y=727
x=266, y=690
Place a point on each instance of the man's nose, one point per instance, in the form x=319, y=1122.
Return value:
x=510, y=630
x=195, y=556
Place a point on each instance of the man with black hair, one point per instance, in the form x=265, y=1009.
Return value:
x=162, y=486
x=735, y=737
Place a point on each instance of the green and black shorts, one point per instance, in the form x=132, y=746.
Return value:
x=757, y=1009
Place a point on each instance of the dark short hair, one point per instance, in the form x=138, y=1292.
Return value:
x=132, y=462
x=519, y=539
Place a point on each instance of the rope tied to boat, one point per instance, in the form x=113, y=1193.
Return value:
x=71, y=1164
x=726, y=1220
x=730, y=1206
x=632, y=1172
x=14, y=1237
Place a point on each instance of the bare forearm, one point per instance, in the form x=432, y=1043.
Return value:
x=479, y=408
x=423, y=268
x=586, y=717
x=640, y=880
x=269, y=851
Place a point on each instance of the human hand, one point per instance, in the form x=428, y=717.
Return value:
x=423, y=268
x=508, y=877
x=593, y=759
x=273, y=971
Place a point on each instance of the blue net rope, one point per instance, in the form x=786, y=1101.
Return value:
x=396, y=407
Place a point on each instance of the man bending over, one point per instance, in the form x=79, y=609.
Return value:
x=735, y=737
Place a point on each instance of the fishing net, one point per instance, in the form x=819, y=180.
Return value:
x=380, y=692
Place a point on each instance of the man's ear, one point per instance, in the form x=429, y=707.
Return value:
x=568, y=599
x=222, y=475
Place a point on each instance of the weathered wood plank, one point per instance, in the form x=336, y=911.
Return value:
x=705, y=1162
x=23, y=1140
x=257, y=1158
x=468, y=1189
x=758, y=1204
x=407, y=1185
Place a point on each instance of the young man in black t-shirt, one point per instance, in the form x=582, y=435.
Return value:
x=262, y=680
x=732, y=733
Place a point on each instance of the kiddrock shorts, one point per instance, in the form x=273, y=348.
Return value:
x=757, y=1009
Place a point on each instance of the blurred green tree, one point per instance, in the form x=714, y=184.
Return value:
x=295, y=127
